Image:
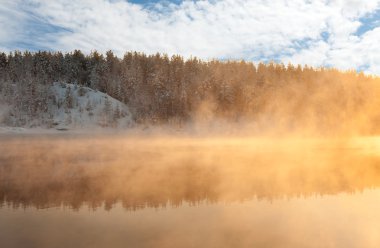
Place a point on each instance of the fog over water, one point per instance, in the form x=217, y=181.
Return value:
x=156, y=171
x=188, y=191
x=152, y=150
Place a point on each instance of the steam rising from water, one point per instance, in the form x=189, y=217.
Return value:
x=156, y=171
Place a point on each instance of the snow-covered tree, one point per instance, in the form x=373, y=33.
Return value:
x=69, y=101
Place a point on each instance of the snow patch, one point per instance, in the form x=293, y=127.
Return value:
x=77, y=106
x=71, y=106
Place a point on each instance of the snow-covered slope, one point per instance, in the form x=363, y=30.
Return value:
x=82, y=107
x=72, y=106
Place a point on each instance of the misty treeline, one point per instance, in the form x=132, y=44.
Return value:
x=171, y=90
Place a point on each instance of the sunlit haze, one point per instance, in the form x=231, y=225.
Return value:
x=195, y=123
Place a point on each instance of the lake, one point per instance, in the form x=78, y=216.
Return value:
x=188, y=191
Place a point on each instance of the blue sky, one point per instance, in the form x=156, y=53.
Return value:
x=336, y=33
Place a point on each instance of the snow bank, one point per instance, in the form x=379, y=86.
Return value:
x=71, y=107
x=76, y=106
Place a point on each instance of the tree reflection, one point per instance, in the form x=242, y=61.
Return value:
x=102, y=172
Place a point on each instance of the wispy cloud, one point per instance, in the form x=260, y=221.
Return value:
x=299, y=31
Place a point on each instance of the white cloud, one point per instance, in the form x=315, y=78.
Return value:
x=260, y=29
x=368, y=51
x=11, y=21
x=314, y=55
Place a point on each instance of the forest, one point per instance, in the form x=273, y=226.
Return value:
x=163, y=90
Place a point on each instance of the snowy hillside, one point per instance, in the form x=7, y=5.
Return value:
x=70, y=106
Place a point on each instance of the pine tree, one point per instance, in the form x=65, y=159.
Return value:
x=107, y=112
x=116, y=113
x=68, y=98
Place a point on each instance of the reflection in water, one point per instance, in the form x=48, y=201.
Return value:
x=264, y=193
x=155, y=172
x=343, y=220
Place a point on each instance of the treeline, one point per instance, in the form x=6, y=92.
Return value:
x=163, y=89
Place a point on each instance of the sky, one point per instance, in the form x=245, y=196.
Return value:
x=344, y=34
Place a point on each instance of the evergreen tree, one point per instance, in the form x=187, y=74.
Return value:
x=69, y=101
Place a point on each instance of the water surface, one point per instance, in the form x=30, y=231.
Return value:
x=125, y=191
